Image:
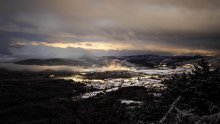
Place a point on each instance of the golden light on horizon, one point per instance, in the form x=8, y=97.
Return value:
x=106, y=46
x=119, y=46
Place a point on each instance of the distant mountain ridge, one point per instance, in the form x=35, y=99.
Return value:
x=144, y=60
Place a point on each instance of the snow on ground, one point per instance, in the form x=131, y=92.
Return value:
x=96, y=93
x=114, y=84
x=148, y=79
x=129, y=102
x=91, y=94
x=178, y=70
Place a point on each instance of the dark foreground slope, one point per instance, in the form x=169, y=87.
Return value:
x=30, y=100
x=188, y=99
x=50, y=102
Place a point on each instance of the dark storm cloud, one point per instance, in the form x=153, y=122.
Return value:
x=48, y=52
x=181, y=24
x=192, y=40
x=7, y=38
x=4, y=45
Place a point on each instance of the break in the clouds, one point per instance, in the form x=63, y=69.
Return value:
x=35, y=28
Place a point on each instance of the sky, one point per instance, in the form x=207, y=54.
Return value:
x=79, y=28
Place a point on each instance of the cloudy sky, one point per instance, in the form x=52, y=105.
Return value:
x=75, y=28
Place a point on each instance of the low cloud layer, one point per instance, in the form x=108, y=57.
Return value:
x=172, y=27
